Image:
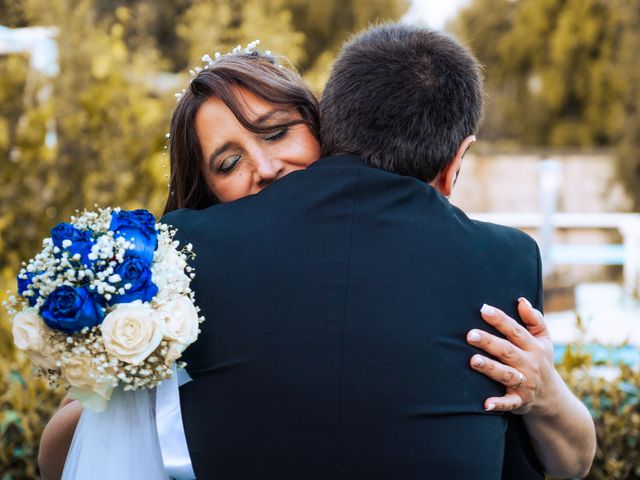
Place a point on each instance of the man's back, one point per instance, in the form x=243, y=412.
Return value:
x=337, y=303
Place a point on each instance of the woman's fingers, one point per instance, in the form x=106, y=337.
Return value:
x=506, y=403
x=506, y=325
x=523, y=361
x=532, y=318
x=500, y=348
x=504, y=374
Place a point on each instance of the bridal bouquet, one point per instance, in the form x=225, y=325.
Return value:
x=106, y=303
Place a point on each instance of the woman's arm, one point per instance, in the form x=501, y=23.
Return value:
x=56, y=439
x=560, y=426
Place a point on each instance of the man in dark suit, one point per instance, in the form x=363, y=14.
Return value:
x=338, y=299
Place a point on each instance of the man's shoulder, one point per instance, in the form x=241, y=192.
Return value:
x=495, y=234
x=179, y=217
x=505, y=237
x=206, y=221
x=502, y=231
x=185, y=217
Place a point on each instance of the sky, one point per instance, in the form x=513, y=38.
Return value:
x=433, y=13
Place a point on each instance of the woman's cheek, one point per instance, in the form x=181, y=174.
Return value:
x=239, y=184
x=305, y=153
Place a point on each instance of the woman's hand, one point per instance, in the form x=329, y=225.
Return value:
x=560, y=426
x=525, y=360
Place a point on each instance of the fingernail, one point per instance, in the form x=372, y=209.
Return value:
x=478, y=362
x=474, y=336
x=488, y=310
x=526, y=302
x=490, y=407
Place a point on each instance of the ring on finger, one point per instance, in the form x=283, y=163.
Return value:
x=520, y=380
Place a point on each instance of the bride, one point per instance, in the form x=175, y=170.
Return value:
x=246, y=121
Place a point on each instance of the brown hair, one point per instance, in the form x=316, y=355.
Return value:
x=258, y=73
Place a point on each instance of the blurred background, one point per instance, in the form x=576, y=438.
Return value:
x=86, y=95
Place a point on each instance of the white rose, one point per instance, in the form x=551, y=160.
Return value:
x=81, y=373
x=132, y=331
x=86, y=385
x=29, y=330
x=31, y=334
x=181, y=321
x=44, y=358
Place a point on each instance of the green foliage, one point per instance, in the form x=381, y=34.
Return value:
x=561, y=73
x=308, y=33
x=222, y=24
x=612, y=395
x=326, y=26
x=109, y=126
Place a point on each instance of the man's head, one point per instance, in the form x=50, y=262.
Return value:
x=405, y=98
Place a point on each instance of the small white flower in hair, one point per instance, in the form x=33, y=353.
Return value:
x=238, y=50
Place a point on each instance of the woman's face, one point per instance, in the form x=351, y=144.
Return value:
x=238, y=162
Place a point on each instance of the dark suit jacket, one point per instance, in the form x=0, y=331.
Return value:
x=337, y=303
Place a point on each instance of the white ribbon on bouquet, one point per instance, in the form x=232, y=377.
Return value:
x=173, y=442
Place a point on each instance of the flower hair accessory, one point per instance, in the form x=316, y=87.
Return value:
x=250, y=50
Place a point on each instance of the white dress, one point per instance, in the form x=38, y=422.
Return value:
x=120, y=442
x=128, y=441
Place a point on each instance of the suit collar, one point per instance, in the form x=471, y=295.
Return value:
x=340, y=161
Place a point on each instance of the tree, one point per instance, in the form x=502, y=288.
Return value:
x=327, y=25
x=308, y=33
x=560, y=73
x=109, y=128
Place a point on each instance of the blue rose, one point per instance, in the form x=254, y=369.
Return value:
x=81, y=241
x=136, y=272
x=24, y=282
x=71, y=309
x=138, y=226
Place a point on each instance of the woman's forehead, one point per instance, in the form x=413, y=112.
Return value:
x=254, y=109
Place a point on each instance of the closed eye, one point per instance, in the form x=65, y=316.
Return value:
x=272, y=137
x=228, y=164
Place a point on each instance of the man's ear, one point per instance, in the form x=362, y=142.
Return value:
x=446, y=178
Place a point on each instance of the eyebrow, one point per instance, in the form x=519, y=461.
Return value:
x=261, y=119
x=267, y=115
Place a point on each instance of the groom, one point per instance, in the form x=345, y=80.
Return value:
x=337, y=300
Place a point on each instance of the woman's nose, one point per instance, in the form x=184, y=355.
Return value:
x=268, y=170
